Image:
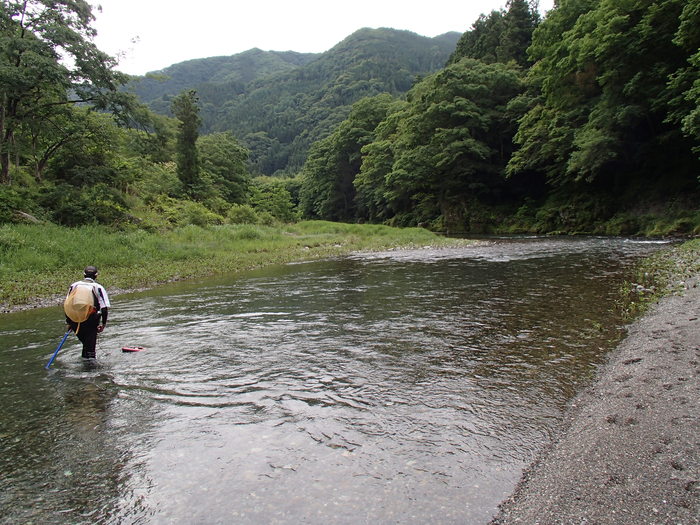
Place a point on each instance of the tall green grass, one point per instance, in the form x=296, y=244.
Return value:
x=38, y=262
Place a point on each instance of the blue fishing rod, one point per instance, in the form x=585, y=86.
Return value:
x=48, y=365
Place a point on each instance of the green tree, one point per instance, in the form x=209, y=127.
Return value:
x=270, y=195
x=375, y=200
x=71, y=126
x=520, y=20
x=482, y=40
x=185, y=109
x=89, y=157
x=604, y=69
x=264, y=151
x=451, y=144
x=684, y=87
x=154, y=136
x=48, y=61
x=500, y=36
x=327, y=190
x=223, y=159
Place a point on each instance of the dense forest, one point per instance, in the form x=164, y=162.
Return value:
x=584, y=121
x=278, y=104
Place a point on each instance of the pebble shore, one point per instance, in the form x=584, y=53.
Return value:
x=629, y=449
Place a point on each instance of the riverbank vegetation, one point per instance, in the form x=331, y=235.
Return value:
x=665, y=272
x=40, y=261
x=584, y=121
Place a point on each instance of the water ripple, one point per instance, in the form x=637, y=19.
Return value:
x=378, y=388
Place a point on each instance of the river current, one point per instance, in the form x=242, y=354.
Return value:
x=410, y=386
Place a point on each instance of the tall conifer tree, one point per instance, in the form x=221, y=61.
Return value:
x=185, y=108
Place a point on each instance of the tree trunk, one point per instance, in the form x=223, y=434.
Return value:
x=5, y=167
x=4, y=155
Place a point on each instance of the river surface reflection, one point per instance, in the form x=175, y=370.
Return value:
x=398, y=387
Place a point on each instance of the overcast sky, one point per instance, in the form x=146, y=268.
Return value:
x=149, y=35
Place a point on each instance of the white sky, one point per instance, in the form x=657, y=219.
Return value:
x=149, y=35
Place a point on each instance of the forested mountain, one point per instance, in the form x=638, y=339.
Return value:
x=226, y=75
x=279, y=103
x=586, y=121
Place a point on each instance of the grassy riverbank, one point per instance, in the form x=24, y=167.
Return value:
x=38, y=262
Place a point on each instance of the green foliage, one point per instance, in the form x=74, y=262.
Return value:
x=15, y=200
x=87, y=158
x=327, y=190
x=602, y=136
x=570, y=212
x=270, y=196
x=482, y=40
x=278, y=104
x=179, y=213
x=186, y=110
x=96, y=204
x=223, y=159
x=604, y=70
x=446, y=147
x=10, y=202
x=374, y=200
x=684, y=86
x=242, y=214
x=155, y=179
x=153, y=137
x=48, y=63
x=500, y=36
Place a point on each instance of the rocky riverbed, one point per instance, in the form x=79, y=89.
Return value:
x=629, y=451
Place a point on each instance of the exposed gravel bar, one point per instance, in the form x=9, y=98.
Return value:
x=629, y=449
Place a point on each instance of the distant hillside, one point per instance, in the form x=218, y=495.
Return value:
x=231, y=72
x=277, y=103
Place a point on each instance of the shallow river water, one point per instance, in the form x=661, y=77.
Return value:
x=398, y=387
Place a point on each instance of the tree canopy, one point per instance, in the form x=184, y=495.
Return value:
x=500, y=36
x=48, y=64
x=584, y=121
x=614, y=90
x=185, y=107
x=278, y=104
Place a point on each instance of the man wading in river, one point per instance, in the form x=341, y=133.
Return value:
x=86, y=303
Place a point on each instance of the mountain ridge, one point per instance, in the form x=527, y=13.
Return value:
x=278, y=102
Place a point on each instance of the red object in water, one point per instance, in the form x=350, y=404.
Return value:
x=132, y=348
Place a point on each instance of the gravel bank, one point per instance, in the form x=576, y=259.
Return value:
x=629, y=451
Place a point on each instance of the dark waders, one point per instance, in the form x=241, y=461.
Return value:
x=87, y=333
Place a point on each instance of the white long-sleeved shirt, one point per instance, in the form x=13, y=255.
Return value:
x=98, y=289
